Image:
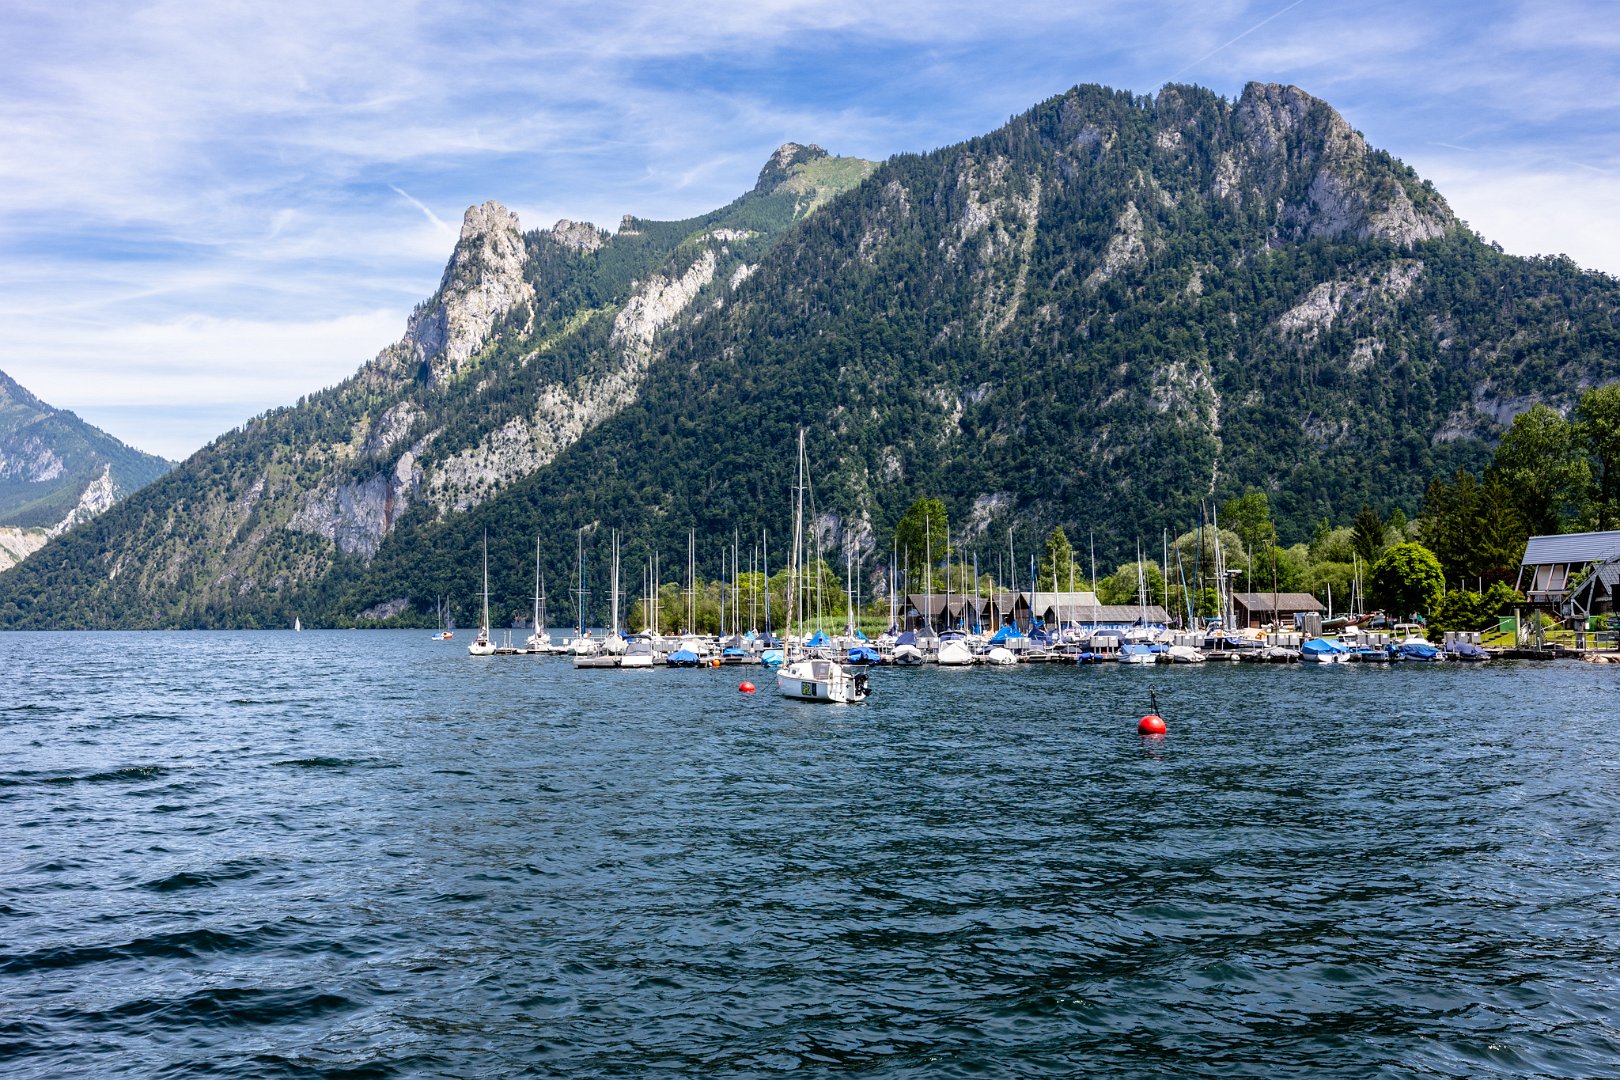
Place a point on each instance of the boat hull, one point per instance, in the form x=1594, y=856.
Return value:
x=821, y=680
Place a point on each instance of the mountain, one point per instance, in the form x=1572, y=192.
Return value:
x=1097, y=315
x=56, y=471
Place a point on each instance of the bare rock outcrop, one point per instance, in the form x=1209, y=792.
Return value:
x=356, y=516
x=565, y=411
x=582, y=236
x=32, y=460
x=97, y=496
x=17, y=544
x=1291, y=142
x=1332, y=301
x=483, y=281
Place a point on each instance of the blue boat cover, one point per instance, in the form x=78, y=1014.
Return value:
x=1466, y=648
x=771, y=657
x=818, y=640
x=1418, y=650
x=907, y=638
x=860, y=636
x=1006, y=634
x=1322, y=647
x=1040, y=635
x=682, y=657
x=861, y=654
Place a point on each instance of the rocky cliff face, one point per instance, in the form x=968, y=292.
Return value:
x=1297, y=146
x=483, y=281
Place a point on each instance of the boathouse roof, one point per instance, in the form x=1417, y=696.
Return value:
x=1571, y=548
x=1283, y=601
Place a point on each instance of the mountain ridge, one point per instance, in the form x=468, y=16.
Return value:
x=1103, y=311
x=56, y=470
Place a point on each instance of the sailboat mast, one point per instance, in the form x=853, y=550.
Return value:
x=928, y=582
x=486, y=583
x=615, y=581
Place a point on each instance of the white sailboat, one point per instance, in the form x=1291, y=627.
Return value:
x=482, y=645
x=539, y=641
x=807, y=679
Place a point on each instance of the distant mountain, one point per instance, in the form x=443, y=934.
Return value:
x=56, y=471
x=1101, y=313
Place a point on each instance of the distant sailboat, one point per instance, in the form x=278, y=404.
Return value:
x=444, y=633
x=298, y=625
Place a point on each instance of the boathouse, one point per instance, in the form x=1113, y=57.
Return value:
x=1256, y=609
x=938, y=611
x=1573, y=573
x=1057, y=609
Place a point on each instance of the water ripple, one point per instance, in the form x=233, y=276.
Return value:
x=357, y=855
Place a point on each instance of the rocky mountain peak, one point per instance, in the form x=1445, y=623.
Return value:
x=1299, y=146
x=781, y=163
x=582, y=236
x=482, y=282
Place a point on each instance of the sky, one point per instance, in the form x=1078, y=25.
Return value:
x=209, y=210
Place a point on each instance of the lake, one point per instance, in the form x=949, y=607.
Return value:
x=367, y=854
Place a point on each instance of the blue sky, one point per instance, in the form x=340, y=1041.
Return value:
x=209, y=210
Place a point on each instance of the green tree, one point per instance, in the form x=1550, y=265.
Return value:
x=923, y=534
x=1057, y=568
x=1543, y=462
x=1367, y=534
x=1465, y=609
x=1599, y=416
x=1406, y=579
x=1121, y=587
x=1249, y=516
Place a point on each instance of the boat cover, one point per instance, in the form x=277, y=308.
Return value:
x=861, y=654
x=818, y=640
x=682, y=658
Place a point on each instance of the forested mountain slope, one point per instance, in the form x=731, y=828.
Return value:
x=1098, y=315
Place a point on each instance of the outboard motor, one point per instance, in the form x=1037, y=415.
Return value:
x=860, y=684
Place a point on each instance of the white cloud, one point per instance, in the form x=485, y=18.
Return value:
x=165, y=377
x=1537, y=211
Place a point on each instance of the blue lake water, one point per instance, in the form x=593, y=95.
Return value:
x=368, y=854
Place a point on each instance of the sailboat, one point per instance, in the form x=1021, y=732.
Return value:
x=298, y=624
x=445, y=631
x=539, y=641
x=583, y=644
x=807, y=678
x=483, y=646
x=1139, y=647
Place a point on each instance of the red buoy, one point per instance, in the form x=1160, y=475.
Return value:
x=1150, y=725
x=746, y=688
